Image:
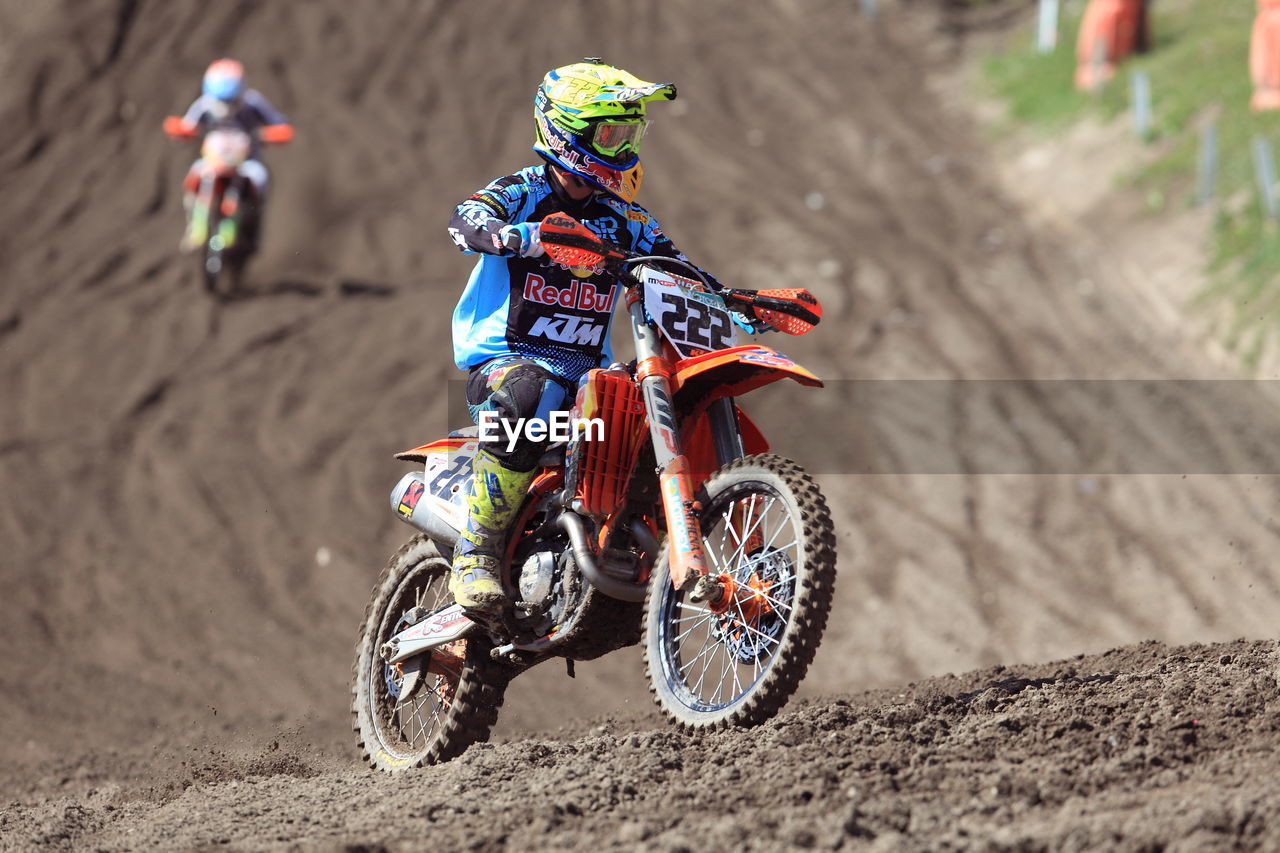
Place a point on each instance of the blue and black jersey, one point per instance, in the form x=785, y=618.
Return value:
x=249, y=112
x=533, y=307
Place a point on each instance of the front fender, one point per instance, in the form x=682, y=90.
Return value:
x=731, y=373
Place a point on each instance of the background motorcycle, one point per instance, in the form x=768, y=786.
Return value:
x=225, y=215
x=675, y=528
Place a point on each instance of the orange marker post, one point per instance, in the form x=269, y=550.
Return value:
x=1264, y=56
x=1109, y=33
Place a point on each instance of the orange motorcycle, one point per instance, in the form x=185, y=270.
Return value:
x=663, y=521
x=224, y=217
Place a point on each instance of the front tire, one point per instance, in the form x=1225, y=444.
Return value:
x=767, y=531
x=454, y=704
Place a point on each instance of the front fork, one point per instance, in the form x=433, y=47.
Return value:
x=685, y=555
x=202, y=213
x=201, y=210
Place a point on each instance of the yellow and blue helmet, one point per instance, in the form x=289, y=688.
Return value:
x=589, y=119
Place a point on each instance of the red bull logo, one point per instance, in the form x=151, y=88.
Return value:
x=582, y=295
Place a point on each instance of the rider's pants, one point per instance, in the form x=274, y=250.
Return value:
x=505, y=392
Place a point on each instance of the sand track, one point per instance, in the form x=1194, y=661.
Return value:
x=195, y=492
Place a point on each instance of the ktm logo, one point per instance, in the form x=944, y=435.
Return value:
x=568, y=329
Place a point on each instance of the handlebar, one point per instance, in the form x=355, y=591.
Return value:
x=177, y=127
x=569, y=242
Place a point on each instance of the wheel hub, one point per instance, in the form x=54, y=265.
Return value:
x=747, y=623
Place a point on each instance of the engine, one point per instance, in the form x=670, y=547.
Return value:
x=543, y=597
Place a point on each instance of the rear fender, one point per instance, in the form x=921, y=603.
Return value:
x=434, y=499
x=731, y=373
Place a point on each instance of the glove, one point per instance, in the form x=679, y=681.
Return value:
x=522, y=239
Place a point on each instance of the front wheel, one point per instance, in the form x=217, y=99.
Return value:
x=454, y=692
x=770, y=543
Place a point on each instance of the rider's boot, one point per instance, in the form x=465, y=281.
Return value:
x=495, y=496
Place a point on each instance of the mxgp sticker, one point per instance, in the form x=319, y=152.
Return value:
x=769, y=358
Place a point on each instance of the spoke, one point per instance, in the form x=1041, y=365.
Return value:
x=715, y=557
x=768, y=545
x=689, y=664
x=763, y=635
x=744, y=540
x=715, y=697
x=739, y=551
x=737, y=685
x=751, y=528
x=711, y=645
x=730, y=665
x=704, y=621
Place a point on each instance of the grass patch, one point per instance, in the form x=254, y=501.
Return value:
x=1199, y=72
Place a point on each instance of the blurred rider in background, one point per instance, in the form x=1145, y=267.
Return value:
x=225, y=102
x=528, y=329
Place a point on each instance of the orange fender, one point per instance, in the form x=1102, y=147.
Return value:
x=440, y=445
x=1264, y=56
x=731, y=373
x=1108, y=35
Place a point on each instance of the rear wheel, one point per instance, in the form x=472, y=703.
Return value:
x=225, y=254
x=770, y=543
x=453, y=699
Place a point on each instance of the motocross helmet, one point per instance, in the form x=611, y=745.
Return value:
x=589, y=120
x=224, y=80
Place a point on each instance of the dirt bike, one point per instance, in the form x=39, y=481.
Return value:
x=224, y=217
x=673, y=527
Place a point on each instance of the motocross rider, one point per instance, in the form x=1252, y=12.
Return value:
x=225, y=102
x=528, y=329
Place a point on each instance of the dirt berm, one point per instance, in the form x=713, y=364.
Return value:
x=194, y=500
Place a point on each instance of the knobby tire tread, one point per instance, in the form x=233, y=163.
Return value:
x=481, y=688
x=809, y=614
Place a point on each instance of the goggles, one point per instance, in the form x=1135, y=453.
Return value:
x=617, y=140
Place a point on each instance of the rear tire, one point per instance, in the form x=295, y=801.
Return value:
x=448, y=711
x=765, y=524
x=210, y=269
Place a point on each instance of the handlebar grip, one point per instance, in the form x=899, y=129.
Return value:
x=177, y=128
x=276, y=133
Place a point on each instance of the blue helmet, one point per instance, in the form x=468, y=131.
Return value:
x=224, y=80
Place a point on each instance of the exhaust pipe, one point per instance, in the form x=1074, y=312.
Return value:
x=571, y=522
x=408, y=504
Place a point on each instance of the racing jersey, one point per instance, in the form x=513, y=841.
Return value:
x=535, y=308
x=251, y=111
